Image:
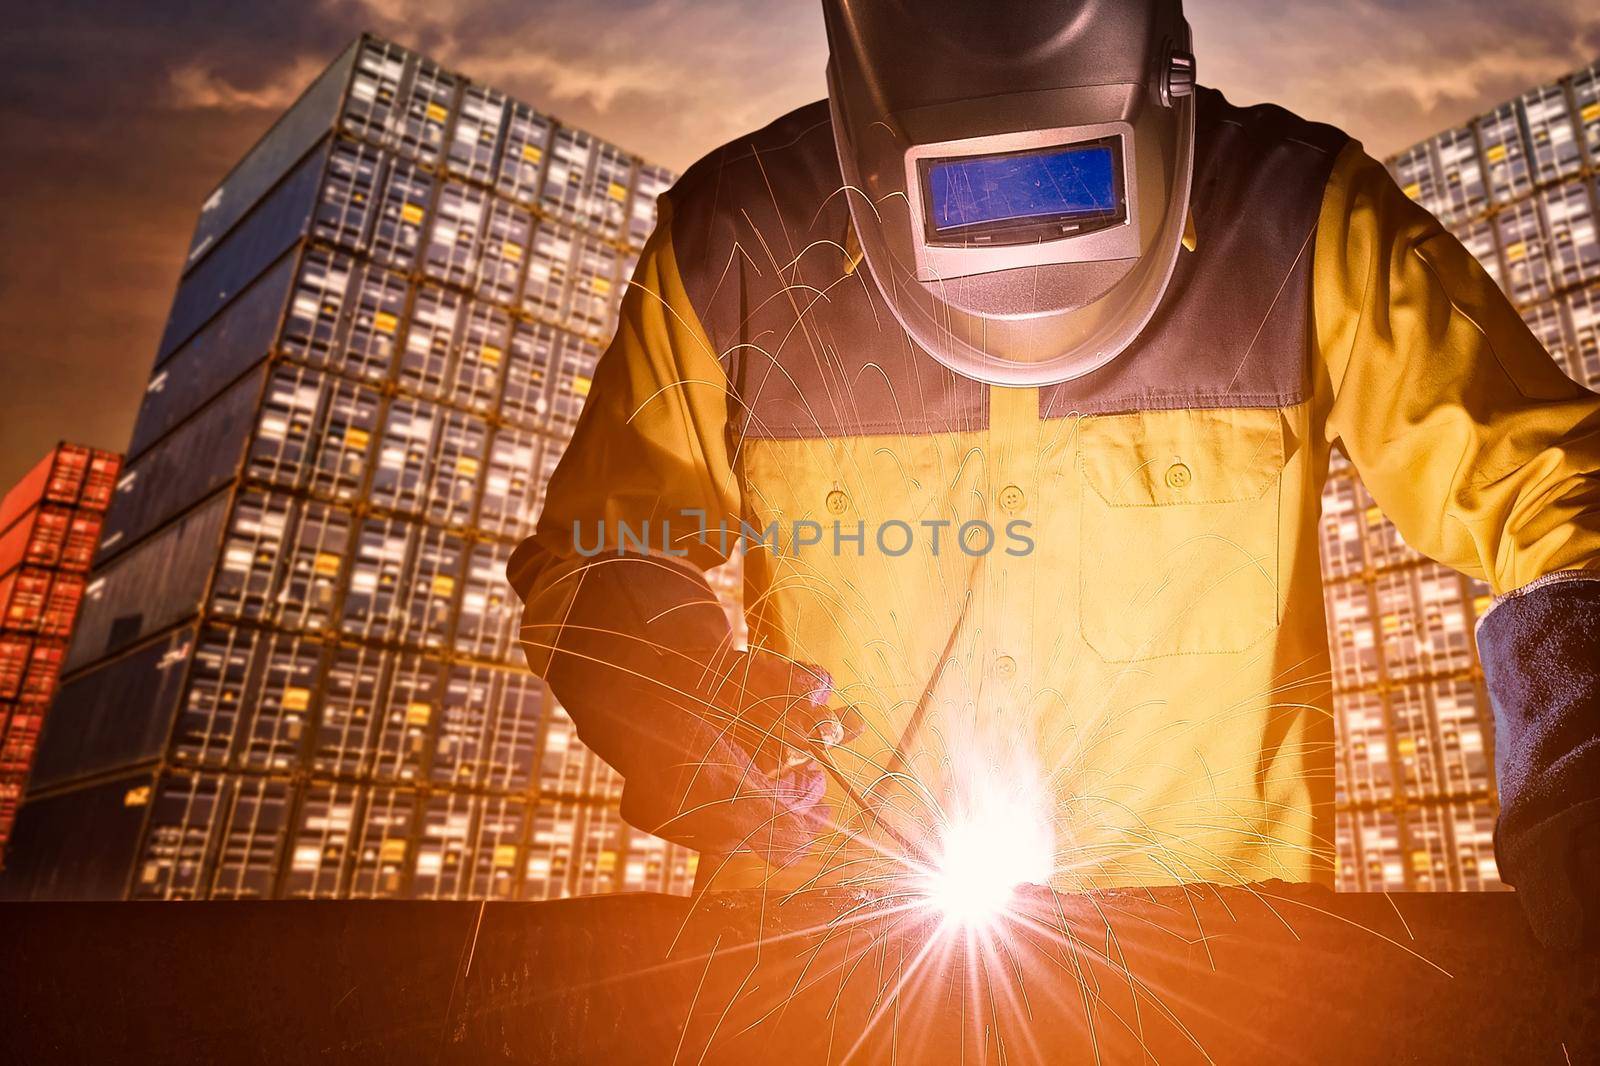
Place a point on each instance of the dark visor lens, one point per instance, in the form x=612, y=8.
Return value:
x=1076, y=182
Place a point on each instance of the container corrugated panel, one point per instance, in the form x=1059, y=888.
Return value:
x=1416, y=171
x=518, y=700
x=1556, y=153
x=1472, y=824
x=599, y=859
x=98, y=484
x=475, y=140
x=253, y=840
x=567, y=187
x=320, y=842
x=480, y=358
x=397, y=232
x=1548, y=324
x=412, y=695
x=43, y=671
x=180, y=838
x=374, y=93
x=1526, y=249
x=1425, y=622
x=1583, y=315
x=270, y=230
x=490, y=612
x=225, y=660
x=430, y=461
x=1478, y=239
x=497, y=848
x=314, y=433
x=1586, y=95
x=1505, y=153
x=282, y=561
x=430, y=340
x=151, y=586
x=503, y=252
x=345, y=315
x=238, y=338
x=610, y=186
x=349, y=198
x=1574, y=245
x=39, y=601
x=426, y=100
x=118, y=714
x=1352, y=635
x=301, y=127
x=279, y=703
x=1429, y=850
x=524, y=154
x=1365, y=772
x=50, y=535
x=548, y=375
x=649, y=183
x=189, y=464
x=552, y=848
x=1385, y=545
x=567, y=767
x=1465, y=192
x=464, y=721
x=36, y=486
x=592, y=303
x=15, y=652
x=383, y=550
x=654, y=865
x=429, y=587
x=21, y=736
x=454, y=239
x=1447, y=754
x=1377, y=834
x=443, y=869
x=79, y=845
x=382, y=860
x=512, y=485
x=350, y=700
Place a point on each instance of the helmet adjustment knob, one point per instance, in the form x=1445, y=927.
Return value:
x=1177, y=81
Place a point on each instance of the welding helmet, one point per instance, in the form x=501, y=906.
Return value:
x=1017, y=171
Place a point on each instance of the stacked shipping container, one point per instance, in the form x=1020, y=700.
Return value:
x=49, y=526
x=297, y=673
x=1518, y=186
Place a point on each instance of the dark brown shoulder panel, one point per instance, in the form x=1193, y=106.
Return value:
x=762, y=235
x=761, y=229
x=1234, y=328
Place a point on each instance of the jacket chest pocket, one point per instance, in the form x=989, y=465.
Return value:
x=1179, y=532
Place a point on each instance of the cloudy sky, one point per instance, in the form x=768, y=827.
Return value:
x=117, y=117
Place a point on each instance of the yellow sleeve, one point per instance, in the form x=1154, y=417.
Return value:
x=649, y=459
x=1468, y=435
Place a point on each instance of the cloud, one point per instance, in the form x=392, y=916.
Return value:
x=194, y=86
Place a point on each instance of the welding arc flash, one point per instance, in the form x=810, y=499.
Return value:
x=983, y=862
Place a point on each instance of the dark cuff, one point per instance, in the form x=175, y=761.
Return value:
x=1540, y=648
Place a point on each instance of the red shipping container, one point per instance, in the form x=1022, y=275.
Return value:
x=40, y=601
x=44, y=669
x=15, y=652
x=101, y=481
x=21, y=738
x=37, y=538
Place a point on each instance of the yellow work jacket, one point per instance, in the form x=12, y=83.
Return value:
x=1153, y=668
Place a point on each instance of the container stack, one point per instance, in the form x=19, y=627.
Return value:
x=49, y=526
x=1520, y=187
x=297, y=672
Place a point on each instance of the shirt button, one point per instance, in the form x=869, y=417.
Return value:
x=1012, y=499
x=1005, y=666
x=1179, y=476
x=838, y=502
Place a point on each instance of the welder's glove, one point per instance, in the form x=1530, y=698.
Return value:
x=712, y=743
x=1540, y=648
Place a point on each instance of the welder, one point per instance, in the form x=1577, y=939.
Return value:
x=1018, y=272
